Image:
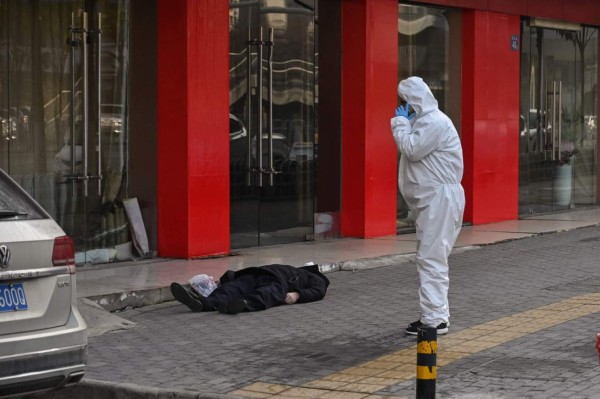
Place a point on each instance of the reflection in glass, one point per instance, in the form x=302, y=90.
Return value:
x=423, y=50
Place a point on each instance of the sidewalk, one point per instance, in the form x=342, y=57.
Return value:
x=146, y=282
x=525, y=313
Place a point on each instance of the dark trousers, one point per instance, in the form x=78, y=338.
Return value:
x=260, y=291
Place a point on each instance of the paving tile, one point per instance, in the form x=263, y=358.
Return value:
x=249, y=394
x=265, y=388
x=301, y=392
x=344, y=395
x=529, y=302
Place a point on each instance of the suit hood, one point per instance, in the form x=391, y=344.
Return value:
x=416, y=92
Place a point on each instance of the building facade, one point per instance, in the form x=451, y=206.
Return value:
x=102, y=101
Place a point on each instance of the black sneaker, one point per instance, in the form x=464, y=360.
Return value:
x=182, y=295
x=413, y=328
x=234, y=307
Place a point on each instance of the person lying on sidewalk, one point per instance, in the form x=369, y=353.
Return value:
x=257, y=288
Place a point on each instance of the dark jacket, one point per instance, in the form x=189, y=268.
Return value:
x=307, y=281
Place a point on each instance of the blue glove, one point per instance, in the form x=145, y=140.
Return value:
x=404, y=111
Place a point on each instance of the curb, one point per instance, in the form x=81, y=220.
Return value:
x=96, y=389
x=136, y=299
x=117, y=302
x=132, y=299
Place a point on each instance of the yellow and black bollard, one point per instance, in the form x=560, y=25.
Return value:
x=426, y=362
x=598, y=345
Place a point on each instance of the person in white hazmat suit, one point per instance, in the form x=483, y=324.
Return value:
x=429, y=176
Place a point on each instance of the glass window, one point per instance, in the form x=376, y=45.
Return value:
x=423, y=37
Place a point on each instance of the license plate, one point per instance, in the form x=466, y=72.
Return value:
x=12, y=297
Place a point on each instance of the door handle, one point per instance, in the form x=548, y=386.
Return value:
x=551, y=118
x=262, y=169
x=75, y=33
x=269, y=45
x=249, y=44
x=73, y=42
x=559, y=126
x=260, y=108
x=556, y=119
x=554, y=130
x=99, y=99
x=86, y=104
x=84, y=32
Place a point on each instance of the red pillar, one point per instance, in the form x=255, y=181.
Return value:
x=369, y=81
x=490, y=116
x=193, y=139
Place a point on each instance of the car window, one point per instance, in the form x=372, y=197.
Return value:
x=15, y=203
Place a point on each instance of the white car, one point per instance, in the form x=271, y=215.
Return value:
x=43, y=337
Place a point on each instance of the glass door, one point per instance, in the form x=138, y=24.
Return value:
x=272, y=121
x=558, y=119
x=64, y=80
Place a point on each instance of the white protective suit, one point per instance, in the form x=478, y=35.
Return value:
x=431, y=168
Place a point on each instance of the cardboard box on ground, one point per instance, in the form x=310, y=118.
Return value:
x=137, y=227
